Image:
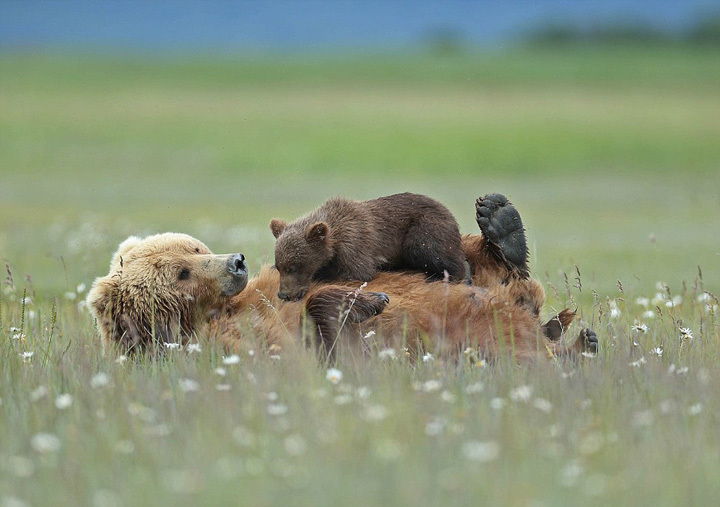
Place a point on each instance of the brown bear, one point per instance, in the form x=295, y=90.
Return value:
x=346, y=240
x=170, y=288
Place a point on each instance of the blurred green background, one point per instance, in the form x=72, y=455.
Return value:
x=610, y=153
x=605, y=137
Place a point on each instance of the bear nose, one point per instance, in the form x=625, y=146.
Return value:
x=284, y=296
x=236, y=264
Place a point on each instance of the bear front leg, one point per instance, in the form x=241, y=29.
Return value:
x=333, y=307
x=501, y=224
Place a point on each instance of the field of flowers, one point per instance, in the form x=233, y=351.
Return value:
x=611, y=158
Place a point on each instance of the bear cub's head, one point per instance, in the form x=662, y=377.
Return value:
x=301, y=249
x=160, y=288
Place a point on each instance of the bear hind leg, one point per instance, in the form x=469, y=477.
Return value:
x=501, y=224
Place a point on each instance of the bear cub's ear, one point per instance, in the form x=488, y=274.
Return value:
x=277, y=226
x=317, y=232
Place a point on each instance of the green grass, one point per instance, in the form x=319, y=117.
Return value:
x=610, y=155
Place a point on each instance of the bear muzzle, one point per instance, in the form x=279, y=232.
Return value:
x=237, y=269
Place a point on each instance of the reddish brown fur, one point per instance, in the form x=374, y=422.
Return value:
x=350, y=240
x=498, y=312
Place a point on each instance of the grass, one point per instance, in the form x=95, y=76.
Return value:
x=611, y=157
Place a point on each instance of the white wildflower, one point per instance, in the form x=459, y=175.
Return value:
x=543, y=405
x=272, y=396
x=121, y=359
x=474, y=388
x=428, y=357
x=82, y=305
x=369, y=334
x=497, y=403
x=659, y=298
x=80, y=288
x=522, y=393
x=686, y=333
x=649, y=314
x=189, y=385
x=570, y=474
x=39, y=393
x=387, y=354
x=430, y=386
x=19, y=336
x=588, y=354
x=640, y=328
x=666, y=406
x=363, y=392
x=704, y=297
x=275, y=357
x=277, y=409
x=220, y=371
x=638, y=363
x=482, y=452
x=63, y=401
x=71, y=296
x=657, y=351
x=644, y=302
x=21, y=466
x=172, y=346
x=695, y=409
x=447, y=396
x=334, y=375
x=615, y=313
x=434, y=427
x=193, y=347
x=27, y=356
x=233, y=359
x=45, y=443
x=31, y=314
x=295, y=445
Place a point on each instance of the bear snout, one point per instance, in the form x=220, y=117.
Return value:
x=236, y=265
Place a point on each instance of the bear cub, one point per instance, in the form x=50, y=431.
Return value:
x=351, y=240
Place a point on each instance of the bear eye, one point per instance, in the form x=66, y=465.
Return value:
x=184, y=274
x=197, y=250
x=292, y=269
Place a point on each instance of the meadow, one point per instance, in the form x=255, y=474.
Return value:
x=610, y=154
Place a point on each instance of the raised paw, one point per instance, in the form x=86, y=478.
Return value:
x=368, y=304
x=501, y=224
x=588, y=341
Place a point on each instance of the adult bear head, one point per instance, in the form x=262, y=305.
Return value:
x=160, y=287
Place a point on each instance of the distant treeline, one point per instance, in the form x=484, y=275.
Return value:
x=704, y=32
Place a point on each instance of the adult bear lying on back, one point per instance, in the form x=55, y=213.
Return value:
x=171, y=288
x=351, y=240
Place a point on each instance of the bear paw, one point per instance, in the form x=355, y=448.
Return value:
x=369, y=304
x=589, y=341
x=501, y=224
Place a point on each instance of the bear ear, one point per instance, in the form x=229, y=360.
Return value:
x=123, y=249
x=317, y=232
x=277, y=226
